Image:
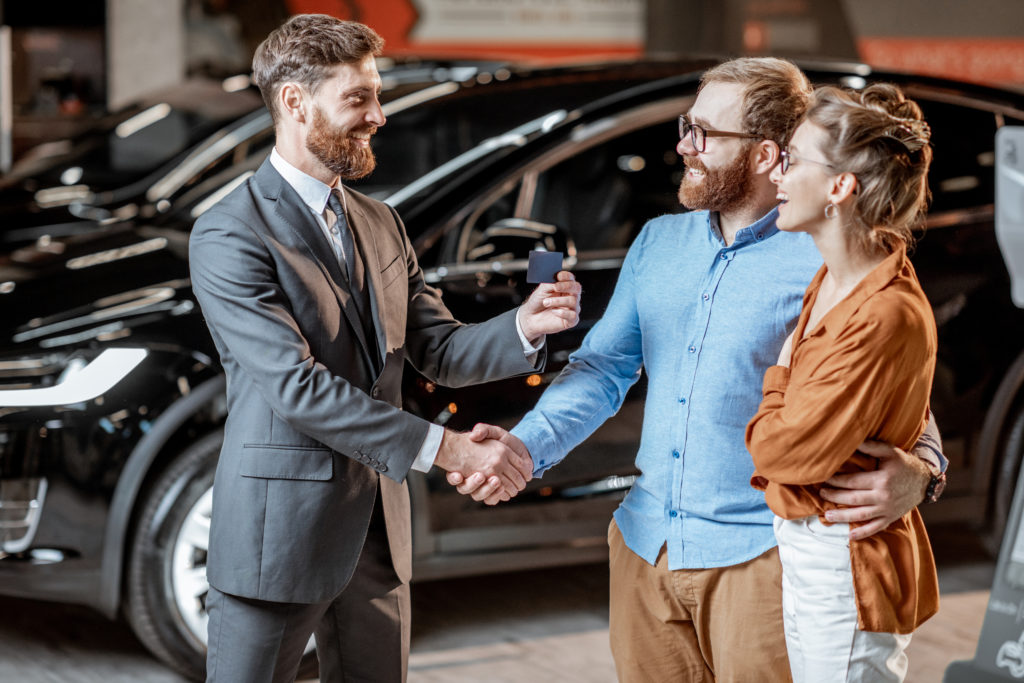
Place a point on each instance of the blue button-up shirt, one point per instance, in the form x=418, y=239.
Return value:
x=705, y=321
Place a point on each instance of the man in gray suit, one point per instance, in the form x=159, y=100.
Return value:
x=315, y=300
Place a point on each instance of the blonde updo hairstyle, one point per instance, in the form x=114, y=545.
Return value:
x=878, y=135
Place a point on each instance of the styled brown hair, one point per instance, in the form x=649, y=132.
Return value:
x=303, y=49
x=879, y=136
x=776, y=94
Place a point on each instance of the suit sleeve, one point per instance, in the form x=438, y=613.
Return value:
x=811, y=422
x=234, y=278
x=455, y=354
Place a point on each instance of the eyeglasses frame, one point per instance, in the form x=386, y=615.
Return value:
x=684, y=122
x=786, y=157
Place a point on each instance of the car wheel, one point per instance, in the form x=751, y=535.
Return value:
x=1004, y=485
x=167, y=587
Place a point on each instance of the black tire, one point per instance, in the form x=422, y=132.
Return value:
x=173, y=505
x=1004, y=484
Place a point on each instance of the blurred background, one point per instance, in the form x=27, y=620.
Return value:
x=512, y=124
x=64, y=63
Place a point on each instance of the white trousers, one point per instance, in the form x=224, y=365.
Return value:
x=820, y=612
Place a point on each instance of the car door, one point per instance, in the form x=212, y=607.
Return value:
x=588, y=196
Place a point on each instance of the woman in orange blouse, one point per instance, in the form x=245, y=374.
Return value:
x=858, y=366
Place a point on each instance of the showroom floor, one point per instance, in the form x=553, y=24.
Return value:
x=538, y=626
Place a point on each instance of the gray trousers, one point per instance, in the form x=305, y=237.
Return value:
x=361, y=635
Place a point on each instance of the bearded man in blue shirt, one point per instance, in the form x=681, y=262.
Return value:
x=703, y=304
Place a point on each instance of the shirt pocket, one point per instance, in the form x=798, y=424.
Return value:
x=270, y=461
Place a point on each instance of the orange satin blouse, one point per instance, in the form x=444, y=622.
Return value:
x=864, y=372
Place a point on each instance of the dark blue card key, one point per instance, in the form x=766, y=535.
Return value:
x=544, y=265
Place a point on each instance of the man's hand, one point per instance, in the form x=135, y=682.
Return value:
x=552, y=307
x=880, y=497
x=505, y=471
x=477, y=485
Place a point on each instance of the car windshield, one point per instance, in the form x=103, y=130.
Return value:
x=421, y=138
x=513, y=138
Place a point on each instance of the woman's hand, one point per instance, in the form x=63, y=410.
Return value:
x=787, y=350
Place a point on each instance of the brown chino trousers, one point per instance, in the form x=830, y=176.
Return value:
x=722, y=624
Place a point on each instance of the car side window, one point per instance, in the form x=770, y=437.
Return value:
x=599, y=196
x=603, y=195
x=963, y=143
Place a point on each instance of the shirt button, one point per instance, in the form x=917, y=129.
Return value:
x=705, y=296
x=760, y=236
x=693, y=349
x=673, y=513
x=724, y=256
x=675, y=454
x=683, y=400
x=334, y=231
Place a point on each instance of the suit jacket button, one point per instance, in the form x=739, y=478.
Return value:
x=375, y=392
x=382, y=468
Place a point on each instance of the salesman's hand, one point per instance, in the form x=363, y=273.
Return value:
x=491, y=460
x=880, y=497
x=552, y=307
x=478, y=486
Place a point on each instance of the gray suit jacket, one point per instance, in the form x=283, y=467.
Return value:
x=311, y=423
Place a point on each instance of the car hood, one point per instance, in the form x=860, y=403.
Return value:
x=97, y=284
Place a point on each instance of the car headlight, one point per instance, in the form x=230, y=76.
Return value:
x=78, y=380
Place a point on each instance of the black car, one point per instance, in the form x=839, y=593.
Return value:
x=112, y=402
x=136, y=163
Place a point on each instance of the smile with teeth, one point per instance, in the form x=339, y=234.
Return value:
x=782, y=197
x=362, y=137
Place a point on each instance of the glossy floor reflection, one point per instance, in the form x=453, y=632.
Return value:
x=539, y=626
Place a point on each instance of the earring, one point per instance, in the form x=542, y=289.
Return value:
x=831, y=211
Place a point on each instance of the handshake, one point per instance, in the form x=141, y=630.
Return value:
x=488, y=463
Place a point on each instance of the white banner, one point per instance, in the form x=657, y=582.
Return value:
x=612, y=22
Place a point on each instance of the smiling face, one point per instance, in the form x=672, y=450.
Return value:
x=719, y=178
x=803, y=190
x=346, y=113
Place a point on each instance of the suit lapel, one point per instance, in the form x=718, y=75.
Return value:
x=290, y=208
x=367, y=245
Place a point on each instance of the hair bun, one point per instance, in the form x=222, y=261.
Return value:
x=902, y=116
x=913, y=134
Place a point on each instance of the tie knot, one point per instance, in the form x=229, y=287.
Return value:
x=334, y=202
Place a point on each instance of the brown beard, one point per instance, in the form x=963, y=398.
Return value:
x=721, y=189
x=334, y=149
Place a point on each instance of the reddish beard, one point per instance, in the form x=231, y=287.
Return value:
x=720, y=189
x=333, y=147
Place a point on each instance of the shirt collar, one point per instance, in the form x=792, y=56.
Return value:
x=313, y=192
x=894, y=266
x=761, y=229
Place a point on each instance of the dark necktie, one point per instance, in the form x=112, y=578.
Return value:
x=354, y=272
x=340, y=227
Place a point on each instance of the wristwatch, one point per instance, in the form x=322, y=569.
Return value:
x=935, y=487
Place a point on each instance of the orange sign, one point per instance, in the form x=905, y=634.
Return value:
x=985, y=60
x=501, y=29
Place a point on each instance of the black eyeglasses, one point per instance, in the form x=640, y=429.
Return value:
x=699, y=134
x=788, y=157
